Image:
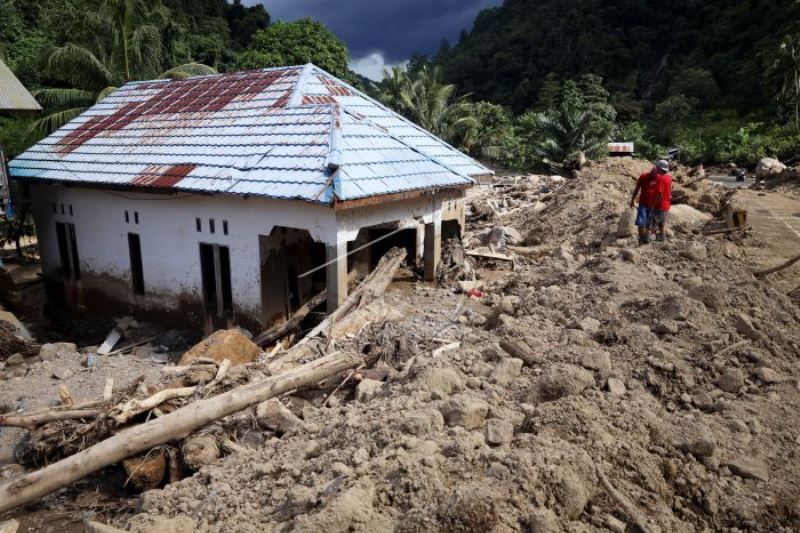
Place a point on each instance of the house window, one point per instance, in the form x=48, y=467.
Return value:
x=224, y=227
x=70, y=209
x=127, y=218
x=211, y=227
x=55, y=211
x=136, y=217
x=199, y=224
x=68, y=251
x=215, y=270
x=137, y=272
x=62, y=209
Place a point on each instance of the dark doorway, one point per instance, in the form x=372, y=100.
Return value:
x=215, y=270
x=68, y=251
x=406, y=238
x=137, y=272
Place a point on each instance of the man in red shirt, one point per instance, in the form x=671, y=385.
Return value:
x=662, y=201
x=646, y=189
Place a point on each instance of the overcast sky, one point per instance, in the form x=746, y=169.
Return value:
x=380, y=33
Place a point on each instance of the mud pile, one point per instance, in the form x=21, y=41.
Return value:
x=595, y=386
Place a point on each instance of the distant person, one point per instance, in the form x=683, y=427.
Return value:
x=646, y=192
x=662, y=201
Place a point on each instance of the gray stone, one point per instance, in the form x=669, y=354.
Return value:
x=695, y=438
x=465, y=411
x=749, y=468
x=616, y=387
x=590, y=325
x=506, y=370
x=768, y=375
x=367, y=389
x=731, y=380
x=16, y=359
x=499, y=432
x=509, y=305
x=744, y=325
x=360, y=456
x=561, y=380
x=598, y=360
x=768, y=168
x=442, y=382
x=62, y=373
x=631, y=256
x=615, y=524
x=312, y=450
x=48, y=352
x=275, y=416
x=666, y=327
x=543, y=521
x=695, y=251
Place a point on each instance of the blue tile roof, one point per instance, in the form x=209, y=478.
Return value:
x=290, y=133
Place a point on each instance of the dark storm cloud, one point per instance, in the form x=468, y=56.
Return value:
x=393, y=28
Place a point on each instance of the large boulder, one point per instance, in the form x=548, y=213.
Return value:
x=229, y=344
x=688, y=217
x=769, y=168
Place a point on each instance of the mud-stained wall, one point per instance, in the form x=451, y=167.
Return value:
x=167, y=227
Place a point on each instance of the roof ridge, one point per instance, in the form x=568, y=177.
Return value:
x=410, y=122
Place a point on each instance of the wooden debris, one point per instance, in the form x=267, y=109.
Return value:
x=446, y=348
x=175, y=425
x=490, y=255
x=36, y=419
x=108, y=389
x=115, y=335
x=782, y=266
x=66, y=397
x=9, y=526
x=281, y=330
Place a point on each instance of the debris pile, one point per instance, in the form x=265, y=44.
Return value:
x=588, y=384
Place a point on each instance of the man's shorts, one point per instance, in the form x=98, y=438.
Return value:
x=642, y=216
x=657, y=218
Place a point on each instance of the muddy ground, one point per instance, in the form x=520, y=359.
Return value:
x=592, y=385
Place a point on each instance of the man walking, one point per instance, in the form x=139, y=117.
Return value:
x=662, y=201
x=646, y=192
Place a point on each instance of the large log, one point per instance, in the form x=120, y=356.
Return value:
x=176, y=425
x=281, y=330
x=782, y=266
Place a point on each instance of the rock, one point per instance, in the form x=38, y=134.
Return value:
x=768, y=375
x=695, y=438
x=744, y=325
x=360, y=456
x=615, y=524
x=768, y=168
x=598, y=360
x=666, y=327
x=422, y=422
x=695, y=251
x=509, y=304
x=9, y=526
x=465, y=411
x=631, y=256
x=590, y=325
x=15, y=360
x=749, y=468
x=506, y=370
x=561, y=380
x=442, y=382
x=229, y=344
x=312, y=450
x=275, y=416
x=626, y=227
x=499, y=432
x=48, y=352
x=731, y=380
x=616, y=387
x=62, y=373
x=571, y=493
x=199, y=451
x=564, y=252
x=543, y=521
x=687, y=216
x=368, y=388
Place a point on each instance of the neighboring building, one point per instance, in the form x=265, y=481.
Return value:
x=14, y=100
x=620, y=149
x=203, y=200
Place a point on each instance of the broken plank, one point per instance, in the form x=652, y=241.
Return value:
x=115, y=335
x=281, y=330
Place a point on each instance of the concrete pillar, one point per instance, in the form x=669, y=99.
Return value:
x=433, y=247
x=336, y=274
x=420, y=252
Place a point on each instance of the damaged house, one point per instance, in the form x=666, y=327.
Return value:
x=206, y=201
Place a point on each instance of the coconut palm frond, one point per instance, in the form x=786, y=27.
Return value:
x=105, y=92
x=189, y=69
x=46, y=125
x=59, y=98
x=145, y=51
x=79, y=67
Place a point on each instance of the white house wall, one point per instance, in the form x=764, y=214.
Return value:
x=170, y=240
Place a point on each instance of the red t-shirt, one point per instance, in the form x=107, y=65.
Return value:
x=647, y=183
x=664, y=188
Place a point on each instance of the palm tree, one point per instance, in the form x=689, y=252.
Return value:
x=566, y=132
x=129, y=49
x=784, y=73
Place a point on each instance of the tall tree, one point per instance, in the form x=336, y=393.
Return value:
x=296, y=43
x=784, y=74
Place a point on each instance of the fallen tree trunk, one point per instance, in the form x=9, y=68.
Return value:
x=782, y=266
x=176, y=425
x=36, y=419
x=281, y=330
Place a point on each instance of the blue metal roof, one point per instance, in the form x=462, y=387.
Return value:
x=290, y=133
